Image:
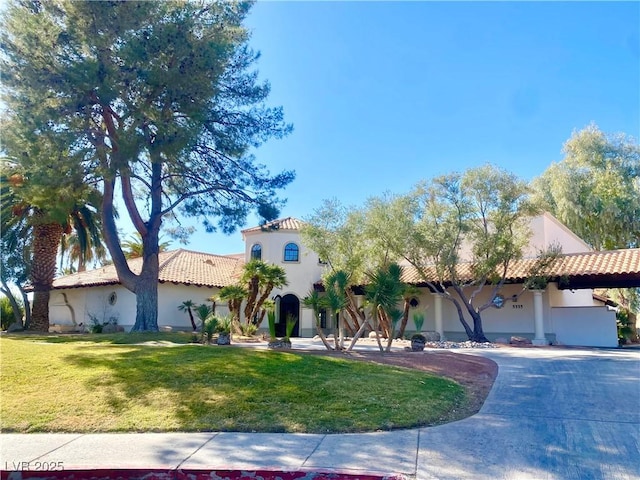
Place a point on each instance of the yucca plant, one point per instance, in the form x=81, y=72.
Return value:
x=418, y=320
x=271, y=318
x=290, y=325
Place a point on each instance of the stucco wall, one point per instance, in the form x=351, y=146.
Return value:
x=547, y=230
x=570, y=298
x=514, y=318
x=301, y=275
x=585, y=326
x=86, y=303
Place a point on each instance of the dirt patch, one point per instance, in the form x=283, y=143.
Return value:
x=476, y=374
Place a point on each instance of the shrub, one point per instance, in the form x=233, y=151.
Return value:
x=210, y=325
x=624, y=325
x=6, y=312
x=418, y=320
x=248, y=329
x=225, y=324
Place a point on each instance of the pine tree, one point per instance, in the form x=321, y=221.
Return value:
x=157, y=98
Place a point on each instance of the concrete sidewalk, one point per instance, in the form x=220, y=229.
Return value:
x=552, y=414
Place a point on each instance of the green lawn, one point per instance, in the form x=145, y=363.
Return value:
x=91, y=383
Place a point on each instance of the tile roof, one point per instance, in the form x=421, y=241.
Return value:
x=289, y=223
x=176, y=266
x=586, y=270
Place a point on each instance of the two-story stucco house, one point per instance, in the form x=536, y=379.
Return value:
x=566, y=312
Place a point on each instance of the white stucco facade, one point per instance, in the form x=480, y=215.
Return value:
x=571, y=317
x=301, y=273
x=114, y=303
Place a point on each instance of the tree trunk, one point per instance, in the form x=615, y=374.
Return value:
x=357, y=335
x=193, y=321
x=478, y=333
x=321, y=333
x=17, y=314
x=405, y=318
x=470, y=333
x=147, y=287
x=46, y=239
x=146, y=305
x=27, y=308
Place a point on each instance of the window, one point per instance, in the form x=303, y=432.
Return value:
x=323, y=318
x=113, y=298
x=256, y=252
x=414, y=302
x=291, y=252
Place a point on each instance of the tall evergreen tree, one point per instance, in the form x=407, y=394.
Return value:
x=159, y=99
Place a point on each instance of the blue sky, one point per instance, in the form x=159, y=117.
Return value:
x=383, y=94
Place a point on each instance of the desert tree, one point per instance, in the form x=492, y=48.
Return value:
x=595, y=189
x=460, y=232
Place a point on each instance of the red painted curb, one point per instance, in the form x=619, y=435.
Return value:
x=160, y=474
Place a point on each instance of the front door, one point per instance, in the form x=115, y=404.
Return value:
x=289, y=305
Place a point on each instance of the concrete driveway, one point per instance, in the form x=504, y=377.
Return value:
x=552, y=414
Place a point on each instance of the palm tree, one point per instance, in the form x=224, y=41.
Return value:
x=187, y=306
x=15, y=253
x=384, y=293
x=336, y=285
x=202, y=311
x=261, y=278
x=46, y=228
x=314, y=301
x=47, y=186
x=133, y=246
x=233, y=295
x=83, y=243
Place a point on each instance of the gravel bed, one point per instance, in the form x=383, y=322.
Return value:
x=467, y=344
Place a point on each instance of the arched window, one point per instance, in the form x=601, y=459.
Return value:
x=256, y=252
x=291, y=252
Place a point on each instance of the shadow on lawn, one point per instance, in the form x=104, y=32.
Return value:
x=122, y=338
x=197, y=388
x=191, y=383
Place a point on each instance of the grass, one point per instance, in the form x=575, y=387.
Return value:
x=103, y=383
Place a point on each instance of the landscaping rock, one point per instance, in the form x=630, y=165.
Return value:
x=109, y=328
x=372, y=334
x=166, y=328
x=432, y=336
x=280, y=344
x=467, y=344
x=501, y=340
x=15, y=327
x=224, y=339
x=520, y=341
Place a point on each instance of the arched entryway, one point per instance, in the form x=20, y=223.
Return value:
x=289, y=305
